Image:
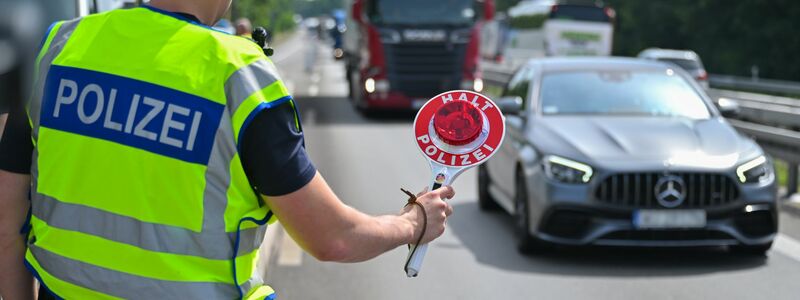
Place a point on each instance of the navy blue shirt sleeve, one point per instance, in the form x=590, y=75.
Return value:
x=16, y=146
x=273, y=152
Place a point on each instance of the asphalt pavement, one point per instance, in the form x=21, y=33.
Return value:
x=367, y=161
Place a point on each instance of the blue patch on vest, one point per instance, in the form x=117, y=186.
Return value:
x=130, y=112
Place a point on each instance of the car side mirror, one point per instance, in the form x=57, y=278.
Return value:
x=728, y=107
x=510, y=105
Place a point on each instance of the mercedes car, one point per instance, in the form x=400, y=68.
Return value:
x=626, y=152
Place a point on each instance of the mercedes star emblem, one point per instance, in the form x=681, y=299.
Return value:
x=670, y=191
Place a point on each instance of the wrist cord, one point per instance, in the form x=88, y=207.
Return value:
x=412, y=200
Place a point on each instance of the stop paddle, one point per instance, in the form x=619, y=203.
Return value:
x=455, y=131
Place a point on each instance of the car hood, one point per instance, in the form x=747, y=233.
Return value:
x=711, y=143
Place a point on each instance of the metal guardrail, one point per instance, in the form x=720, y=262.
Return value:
x=774, y=122
x=756, y=85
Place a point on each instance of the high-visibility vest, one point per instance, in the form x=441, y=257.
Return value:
x=138, y=190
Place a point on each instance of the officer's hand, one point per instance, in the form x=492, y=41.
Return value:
x=437, y=210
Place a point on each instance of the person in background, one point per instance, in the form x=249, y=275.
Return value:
x=244, y=28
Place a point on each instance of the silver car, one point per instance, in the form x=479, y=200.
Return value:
x=687, y=60
x=625, y=152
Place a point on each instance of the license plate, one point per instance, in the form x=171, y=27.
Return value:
x=664, y=219
x=416, y=104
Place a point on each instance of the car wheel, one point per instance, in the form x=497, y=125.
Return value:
x=485, y=200
x=525, y=242
x=754, y=250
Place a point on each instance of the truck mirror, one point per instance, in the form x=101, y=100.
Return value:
x=357, y=10
x=488, y=10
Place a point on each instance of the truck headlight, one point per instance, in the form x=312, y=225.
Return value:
x=567, y=171
x=475, y=85
x=756, y=170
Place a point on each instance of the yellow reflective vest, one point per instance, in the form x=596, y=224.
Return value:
x=138, y=190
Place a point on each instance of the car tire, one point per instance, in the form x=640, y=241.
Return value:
x=485, y=200
x=526, y=244
x=754, y=250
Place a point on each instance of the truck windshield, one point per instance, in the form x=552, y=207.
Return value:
x=415, y=12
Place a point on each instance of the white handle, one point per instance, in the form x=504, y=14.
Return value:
x=417, y=252
x=414, y=263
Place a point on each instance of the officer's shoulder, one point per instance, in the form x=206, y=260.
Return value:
x=237, y=50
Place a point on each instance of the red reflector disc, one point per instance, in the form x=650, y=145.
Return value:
x=458, y=123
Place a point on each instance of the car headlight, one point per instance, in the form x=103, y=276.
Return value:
x=567, y=171
x=756, y=170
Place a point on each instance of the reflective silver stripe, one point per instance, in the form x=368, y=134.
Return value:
x=135, y=287
x=248, y=80
x=218, y=176
x=154, y=237
x=56, y=46
x=257, y=276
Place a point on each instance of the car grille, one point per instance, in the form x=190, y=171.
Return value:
x=637, y=190
x=424, y=69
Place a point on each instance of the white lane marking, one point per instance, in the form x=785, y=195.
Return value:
x=313, y=90
x=787, y=246
x=291, y=254
x=267, y=247
x=315, y=77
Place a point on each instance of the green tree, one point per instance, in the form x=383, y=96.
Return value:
x=276, y=15
x=730, y=36
x=313, y=8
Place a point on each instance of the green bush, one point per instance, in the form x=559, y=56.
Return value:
x=528, y=22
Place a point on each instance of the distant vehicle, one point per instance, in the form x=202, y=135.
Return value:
x=686, y=59
x=625, y=152
x=401, y=53
x=23, y=23
x=579, y=28
x=494, y=38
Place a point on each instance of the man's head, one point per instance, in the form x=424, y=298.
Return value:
x=243, y=26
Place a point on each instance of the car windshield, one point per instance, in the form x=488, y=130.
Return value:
x=647, y=93
x=415, y=12
x=686, y=64
x=579, y=13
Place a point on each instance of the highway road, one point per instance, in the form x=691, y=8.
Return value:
x=367, y=161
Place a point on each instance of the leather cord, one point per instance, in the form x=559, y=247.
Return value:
x=412, y=200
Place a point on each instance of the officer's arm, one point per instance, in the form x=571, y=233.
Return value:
x=15, y=281
x=332, y=231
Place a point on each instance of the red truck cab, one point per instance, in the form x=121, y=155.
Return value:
x=401, y=53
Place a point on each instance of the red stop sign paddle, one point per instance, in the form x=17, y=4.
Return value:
x=455, y=131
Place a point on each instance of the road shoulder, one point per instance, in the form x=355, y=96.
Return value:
x=792, y=205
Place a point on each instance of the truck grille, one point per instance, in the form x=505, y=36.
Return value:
x=637, y=190
x=424, y=69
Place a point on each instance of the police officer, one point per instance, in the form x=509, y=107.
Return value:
x=154, y=149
